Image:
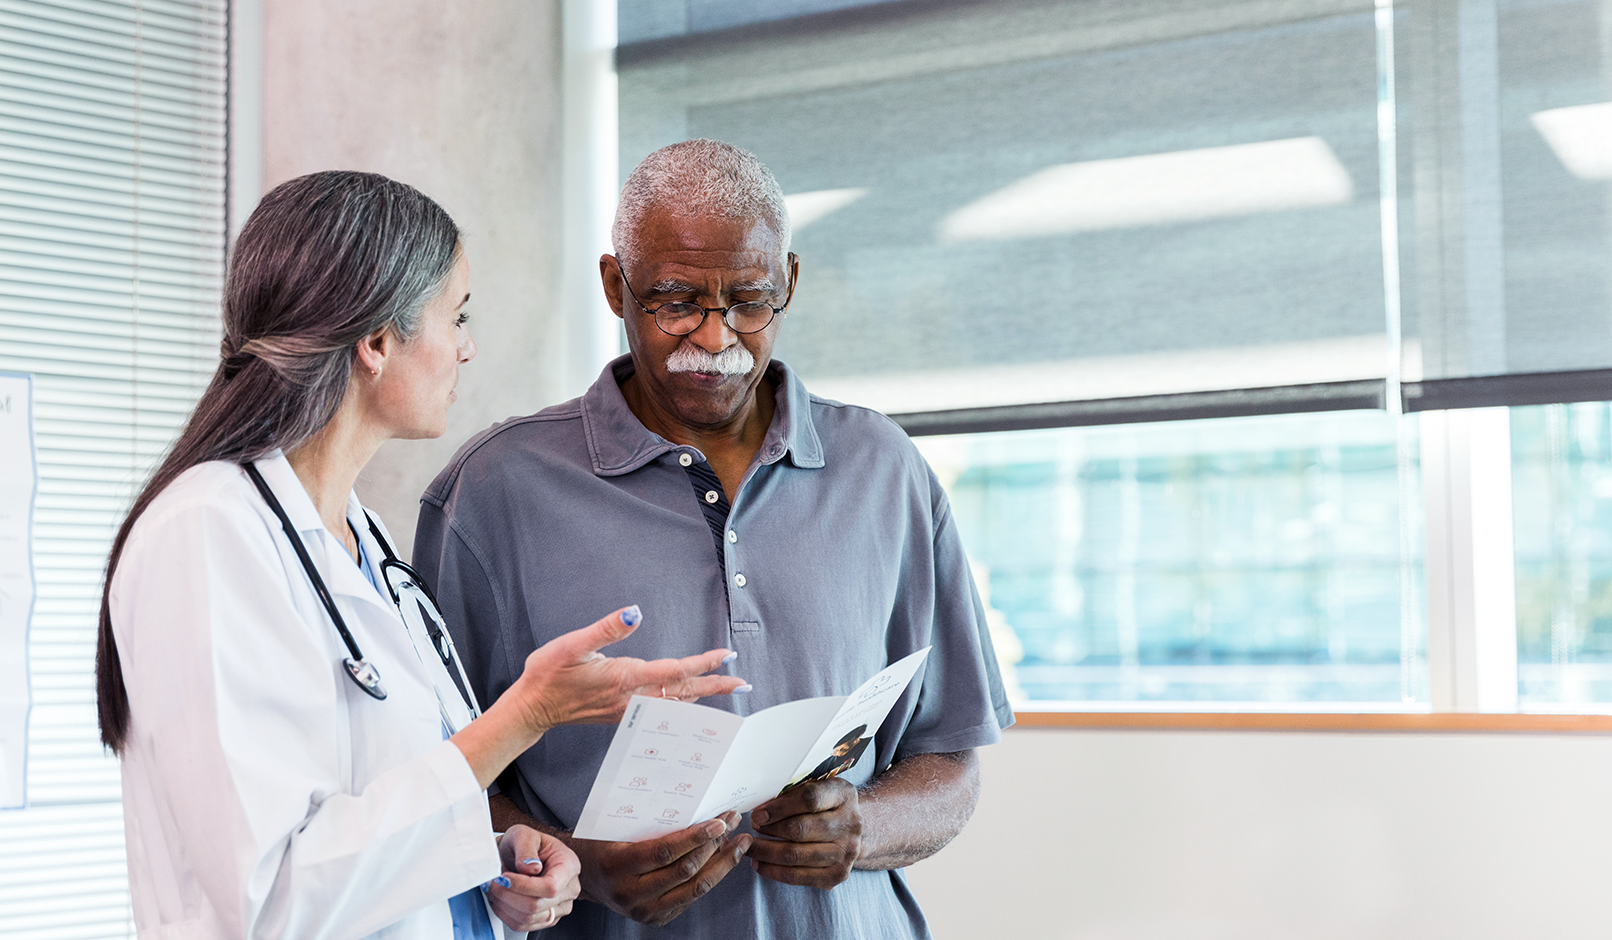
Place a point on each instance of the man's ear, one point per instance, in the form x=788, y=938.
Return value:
x=794, y=276
x=610, y=275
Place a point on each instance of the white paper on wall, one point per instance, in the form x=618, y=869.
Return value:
x=18, y=485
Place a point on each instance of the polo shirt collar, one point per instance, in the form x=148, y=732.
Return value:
x=619, y=443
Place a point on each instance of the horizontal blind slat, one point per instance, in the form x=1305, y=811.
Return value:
x=111, y=242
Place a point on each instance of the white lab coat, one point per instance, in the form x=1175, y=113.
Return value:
x=265, y=795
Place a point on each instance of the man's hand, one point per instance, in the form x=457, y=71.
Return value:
x=653, y=882
x=815, y=833
x=543, y=879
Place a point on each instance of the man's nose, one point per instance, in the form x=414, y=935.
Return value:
x=713, y=334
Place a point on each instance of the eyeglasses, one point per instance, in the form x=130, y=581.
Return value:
x=680, y=318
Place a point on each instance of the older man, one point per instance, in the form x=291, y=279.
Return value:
x=700, y=480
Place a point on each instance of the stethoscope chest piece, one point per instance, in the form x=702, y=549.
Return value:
x=366, y=675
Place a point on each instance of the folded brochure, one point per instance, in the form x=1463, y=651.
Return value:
x=673, y=764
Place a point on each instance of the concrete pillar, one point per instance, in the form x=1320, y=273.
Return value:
x=462, y=99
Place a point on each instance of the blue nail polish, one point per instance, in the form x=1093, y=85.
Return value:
x=729, y=658
x=631, y=616
x=501, y=881
x=743, y=689
x=485, y=885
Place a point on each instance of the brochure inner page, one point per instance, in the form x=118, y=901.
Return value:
x=769, y=745
x=659, y=766
x=673, y=764
x=850, y=732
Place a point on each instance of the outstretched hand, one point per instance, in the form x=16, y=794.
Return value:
x=568, y=681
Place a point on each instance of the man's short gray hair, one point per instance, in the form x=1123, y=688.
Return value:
x=699, y=177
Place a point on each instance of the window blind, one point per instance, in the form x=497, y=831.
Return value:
x=112, y=178
x=1008, y=211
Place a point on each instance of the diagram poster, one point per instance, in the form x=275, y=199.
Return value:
x=18, y=485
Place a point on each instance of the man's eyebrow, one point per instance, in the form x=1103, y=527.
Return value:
x=674, y=286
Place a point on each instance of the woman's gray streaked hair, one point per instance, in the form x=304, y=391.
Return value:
x=324, y=261
x=699, y=177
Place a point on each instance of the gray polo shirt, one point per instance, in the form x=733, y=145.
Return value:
x=838, y=556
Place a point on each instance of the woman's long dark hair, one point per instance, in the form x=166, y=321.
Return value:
x=324, y=261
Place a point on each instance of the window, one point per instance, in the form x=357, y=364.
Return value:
x=111, y=255
x=1562, y=485
x=1252, y=560
x=1160, y=289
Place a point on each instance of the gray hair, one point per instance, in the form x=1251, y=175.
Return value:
x=699, y=177
x=324, y=261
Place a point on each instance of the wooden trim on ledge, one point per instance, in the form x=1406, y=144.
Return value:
x=1395, y=722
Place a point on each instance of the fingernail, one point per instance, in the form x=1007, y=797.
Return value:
x=720, y=827
x=501, y=881
x=758, y=817
x=631, y=616
x=531, y=861
x=485, y=885
x=729, y=658
x=741, y=690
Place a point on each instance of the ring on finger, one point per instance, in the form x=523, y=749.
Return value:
x=552, y=917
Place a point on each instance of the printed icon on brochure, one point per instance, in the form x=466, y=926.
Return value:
x=683, y=787
x=625, y=810
x=697, y=757
x=668, y=814
x=708, y=732
x=880, y=683
x=639, y=782
x=650, y=751
x=664, y=726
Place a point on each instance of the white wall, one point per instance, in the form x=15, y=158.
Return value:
x=460, y=98
x=1120, y=835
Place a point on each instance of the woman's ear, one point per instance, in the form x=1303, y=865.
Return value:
x=374, y=350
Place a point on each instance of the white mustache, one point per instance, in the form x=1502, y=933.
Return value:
x=689, y=357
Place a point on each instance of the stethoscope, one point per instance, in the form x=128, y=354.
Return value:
x=402, y=581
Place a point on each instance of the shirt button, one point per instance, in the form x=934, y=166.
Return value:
x=732, y=536
x=711, y=496
x=684, y=459
x=739, y=580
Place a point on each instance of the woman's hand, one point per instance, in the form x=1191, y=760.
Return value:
x=568, y=681
x=543, y=877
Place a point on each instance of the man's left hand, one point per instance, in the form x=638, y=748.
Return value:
x=814, y=835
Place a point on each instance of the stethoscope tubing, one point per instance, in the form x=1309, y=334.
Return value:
x=362, y=673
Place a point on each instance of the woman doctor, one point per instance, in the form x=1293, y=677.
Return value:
x=283, y=719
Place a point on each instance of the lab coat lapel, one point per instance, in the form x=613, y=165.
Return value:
x=336, y=567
